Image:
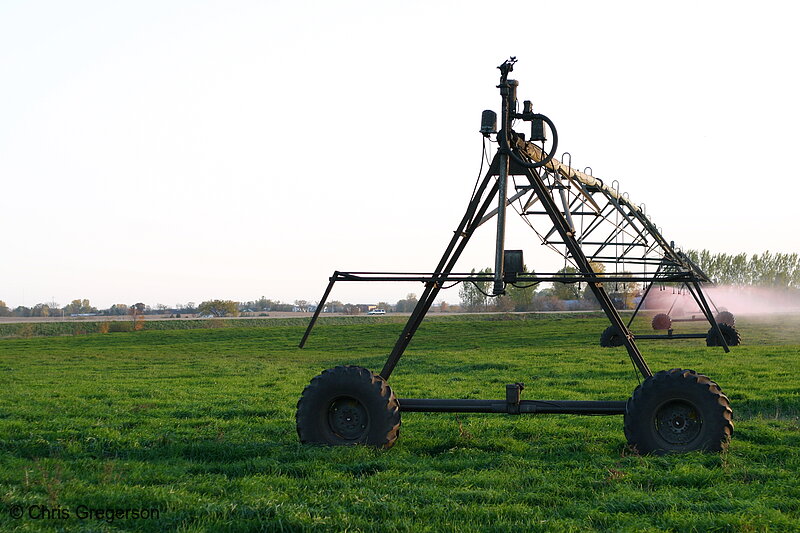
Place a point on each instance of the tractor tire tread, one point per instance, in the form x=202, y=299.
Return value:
x=381, y=393
x=659, y=383
x=731, y=334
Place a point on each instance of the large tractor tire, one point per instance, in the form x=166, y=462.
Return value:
x=611, y=338
x=677, y=411
x=725, y=317
x=661, y=321
x=732, y=337
x=348, y=405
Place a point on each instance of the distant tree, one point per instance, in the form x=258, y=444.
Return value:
x=521, y=294
x=137, y=309
x=597, y=267
x=503, y=303
x=161, y=308
x=385, y=306
x=21, y=310
x=768, y=269
x=41, y=310
x=473, y=294
x=4, y=310
x=335, y=306
x=546, y=300
x=191, y=307
x=566, y=291
x=117, y=310
x=262, y=304
x=407, y=305
x=590, y=301
x=444, y=307
x=350, y=309
x=72, y=308
x=78, y=307
x=219, y=308
x=302, y=305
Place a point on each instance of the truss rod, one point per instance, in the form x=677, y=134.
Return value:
x=585, y=268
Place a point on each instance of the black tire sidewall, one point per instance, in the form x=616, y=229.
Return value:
x=727, y=318
x=640, y=415
x=661, y=321
x=344, y=382
x=611, y=338
x=730, y=333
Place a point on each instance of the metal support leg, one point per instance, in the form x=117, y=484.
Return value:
x=701, y=299
x=469, y=223
x=320, y=305
x=568, y=236
x=644, y=296
x=502, y=183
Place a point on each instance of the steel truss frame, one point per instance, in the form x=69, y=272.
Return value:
x=595, y=224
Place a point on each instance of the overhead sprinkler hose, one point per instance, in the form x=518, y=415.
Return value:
x=502, y=138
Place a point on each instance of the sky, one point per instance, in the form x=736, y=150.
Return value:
x=168, y=152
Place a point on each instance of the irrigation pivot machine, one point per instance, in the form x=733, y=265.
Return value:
x=604, y=237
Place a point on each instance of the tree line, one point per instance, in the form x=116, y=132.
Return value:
x=767, y=269
x=475, y=295
x=776, y=270
x=83, y=307
x=209, y=308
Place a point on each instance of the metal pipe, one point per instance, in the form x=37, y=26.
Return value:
x=452, y=406
x=565, y=407
x=566, y=208
x=502, y=185
x=707, y=310
x=502, y=406
x=668, y=336
x=511, y=200
x=508, y=91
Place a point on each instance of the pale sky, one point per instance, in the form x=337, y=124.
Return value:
x=170, y=151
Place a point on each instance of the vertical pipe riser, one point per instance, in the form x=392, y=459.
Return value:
x=502, y=186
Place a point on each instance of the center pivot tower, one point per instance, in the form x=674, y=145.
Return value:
x=605, y=238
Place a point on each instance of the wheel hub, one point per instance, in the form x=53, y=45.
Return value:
x=348, y=418
x=678, y=422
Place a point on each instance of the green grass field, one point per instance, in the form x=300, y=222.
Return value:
x=198, y=425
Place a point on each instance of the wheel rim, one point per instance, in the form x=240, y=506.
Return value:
x=677, y=422
x=348, y=418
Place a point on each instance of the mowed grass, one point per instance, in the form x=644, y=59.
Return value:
x=199, y=424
